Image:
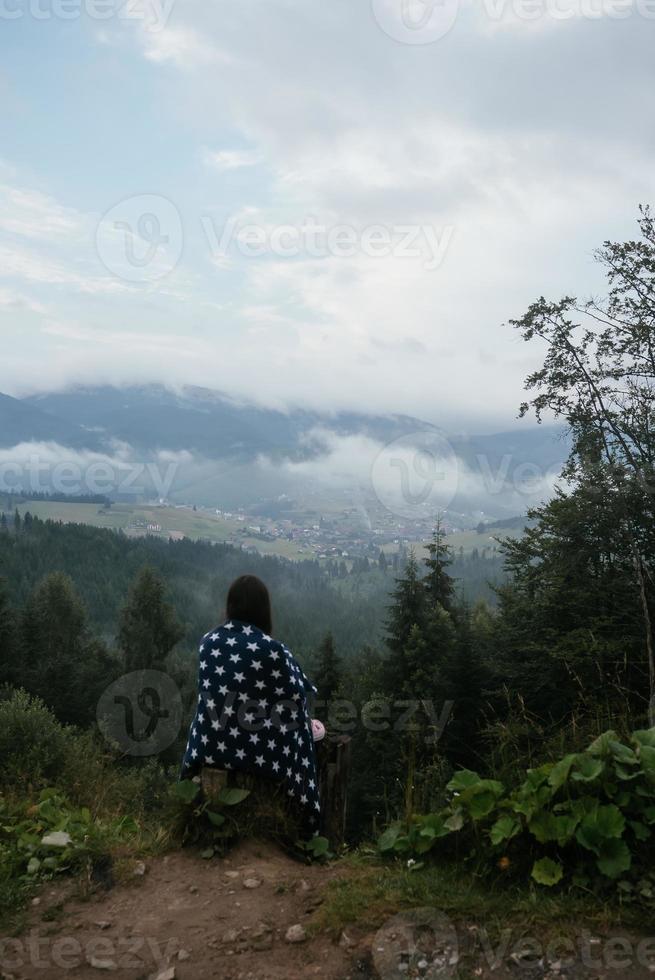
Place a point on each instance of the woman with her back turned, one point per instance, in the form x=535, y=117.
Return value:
x=252, y=714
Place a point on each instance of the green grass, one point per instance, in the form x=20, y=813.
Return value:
x=173, y=521
x=368, y=892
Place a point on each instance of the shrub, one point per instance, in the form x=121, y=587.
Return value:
x=587, y=819
x=34, y=746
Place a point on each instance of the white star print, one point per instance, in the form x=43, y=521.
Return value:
x=232, y=641
x=235, y=658
x=221, y=747
x=256, y=664
x=253, y=646
x=247, y=630
x=240, y=754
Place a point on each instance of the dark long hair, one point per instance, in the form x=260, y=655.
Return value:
x=249, y=601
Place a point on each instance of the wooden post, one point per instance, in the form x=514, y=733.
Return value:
x=333, y=756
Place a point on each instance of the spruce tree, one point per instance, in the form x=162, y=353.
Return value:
x=439, y=584
x=7, y=638
x=60, y=661
x=327, y=676
x=407, y=607
x=149, y=628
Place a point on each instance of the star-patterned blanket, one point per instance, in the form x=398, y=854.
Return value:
x=252, y=714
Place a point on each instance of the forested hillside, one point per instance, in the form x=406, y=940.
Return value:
x=519, y=737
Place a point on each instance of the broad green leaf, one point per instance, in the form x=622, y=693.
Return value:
x=625, y=774
x=587, y=769
x=388, y=839
x=217, y=819
x=546, y=826
x=319, y=846
x=463, y=779
x=640, y=830
x=481, y=804
x=186, y=790
x=547, y=872
x=230, y=797
x=644, y=737
x=614, y=858
x=560, y=771
x=504, y=829
x=437, y=824
x=647, y=759
x=623, y=753
x=610, y=821
x=33, y=866
x=603, y=744
x=207, y=853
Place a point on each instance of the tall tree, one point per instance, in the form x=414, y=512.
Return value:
x=327, y=674
x=598, y=376
x=8, y=649
x=149, y=628
x=60, y=661
x=439, y=584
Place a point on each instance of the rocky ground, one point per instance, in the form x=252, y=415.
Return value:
x=246, y=916
x=252, y=916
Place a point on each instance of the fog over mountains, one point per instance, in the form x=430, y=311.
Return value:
x=227, y=453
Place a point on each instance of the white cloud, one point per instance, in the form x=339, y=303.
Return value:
x=230, y=159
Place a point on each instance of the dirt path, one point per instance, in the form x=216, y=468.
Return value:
x=189, y=919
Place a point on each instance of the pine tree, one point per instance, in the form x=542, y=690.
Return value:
x=16, y=521
x=327, y=675
x=407, y=607
x=149, y=628
x=439, y=585
x=7, y=638
x=60, y=661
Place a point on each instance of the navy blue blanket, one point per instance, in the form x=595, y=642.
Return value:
x=252, y=714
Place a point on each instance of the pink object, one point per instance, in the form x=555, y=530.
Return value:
x=318, y=730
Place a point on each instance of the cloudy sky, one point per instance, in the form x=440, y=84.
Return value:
x=326, y=204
